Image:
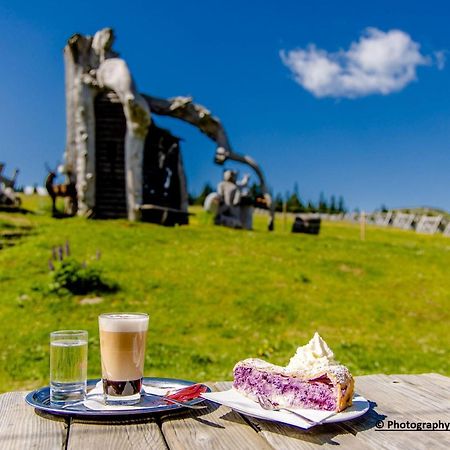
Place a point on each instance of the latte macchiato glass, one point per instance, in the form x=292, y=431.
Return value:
x=122, y=348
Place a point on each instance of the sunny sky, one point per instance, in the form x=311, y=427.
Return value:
x=342, y=98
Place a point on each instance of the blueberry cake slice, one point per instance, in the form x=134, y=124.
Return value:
x=312, y=380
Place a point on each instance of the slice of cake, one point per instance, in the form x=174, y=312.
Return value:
x=312, y=379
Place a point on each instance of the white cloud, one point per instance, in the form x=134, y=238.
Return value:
x=379, y=63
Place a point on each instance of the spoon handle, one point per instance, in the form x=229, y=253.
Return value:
x=306, y=419
x=175, y=402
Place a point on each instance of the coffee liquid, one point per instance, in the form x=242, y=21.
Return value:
x=123, y=354
x=122, y=346
x=121, y=388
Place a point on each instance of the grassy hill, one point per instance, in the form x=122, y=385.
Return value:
x=216, y=295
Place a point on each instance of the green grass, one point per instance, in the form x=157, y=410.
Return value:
x=217, y=295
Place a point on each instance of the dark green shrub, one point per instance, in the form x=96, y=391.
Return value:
x=78, y=278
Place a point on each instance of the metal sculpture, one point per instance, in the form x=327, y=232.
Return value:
x=8, y=196
x=96, y=80
x=8, y=182
x=65, y=190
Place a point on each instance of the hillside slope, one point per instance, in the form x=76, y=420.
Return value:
x=217, y=295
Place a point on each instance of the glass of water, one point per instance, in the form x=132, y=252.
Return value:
x=68, y=366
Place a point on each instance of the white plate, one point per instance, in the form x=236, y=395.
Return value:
x=244, y=405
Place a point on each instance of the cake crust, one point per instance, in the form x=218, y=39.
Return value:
x=330, y=387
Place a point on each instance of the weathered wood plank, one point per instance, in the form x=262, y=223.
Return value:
x=21, y=428
x=122, y=435
x=214, y=428
x=436, y=379
x=293, y=438
x=414, y=398
x=390, y=400
x=434, y=390
x=406, y=395
x=289, y=437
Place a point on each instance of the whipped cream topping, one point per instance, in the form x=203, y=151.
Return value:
x=312, y=357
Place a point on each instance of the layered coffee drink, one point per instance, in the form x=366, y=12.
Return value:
x=122, y=346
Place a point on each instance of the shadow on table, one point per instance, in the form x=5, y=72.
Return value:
x=174, y=414
x=200, y=416
x=320, y=434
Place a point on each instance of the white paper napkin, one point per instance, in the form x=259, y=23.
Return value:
x=233, y=399
x=95, y=400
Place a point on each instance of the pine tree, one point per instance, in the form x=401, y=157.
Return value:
x=278, y=203
x=255, y=190
x=310, y=207
x=322, y=206
x=207, y=189
x=332, y=208
x=294, y=204
x=191, y=199
x=341, y=205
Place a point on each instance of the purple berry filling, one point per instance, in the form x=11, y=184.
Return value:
x=314, y=394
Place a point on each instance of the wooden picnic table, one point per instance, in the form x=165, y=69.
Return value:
x=400, y=398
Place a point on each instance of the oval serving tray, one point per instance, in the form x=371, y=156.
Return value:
x=40, y=399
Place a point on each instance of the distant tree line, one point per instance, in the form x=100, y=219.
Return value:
x=294, y=202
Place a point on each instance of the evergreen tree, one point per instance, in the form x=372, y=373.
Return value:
x=191, y=199
x=255, y=190
x=332, y=209
x=294, y=204
x=207, y=189
x=278, y=203
x=341, y=205
x=322, y=206
x=310, y=207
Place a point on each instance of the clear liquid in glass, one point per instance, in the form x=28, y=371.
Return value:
x=68, y=370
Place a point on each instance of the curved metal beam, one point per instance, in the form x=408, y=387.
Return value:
x=184, y=109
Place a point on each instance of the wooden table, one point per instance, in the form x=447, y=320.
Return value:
x=413, y=398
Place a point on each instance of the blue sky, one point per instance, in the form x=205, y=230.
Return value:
x=371, y=148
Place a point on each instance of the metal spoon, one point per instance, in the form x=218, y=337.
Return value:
x=176, y=402
x=265, y=403
x=184, y=405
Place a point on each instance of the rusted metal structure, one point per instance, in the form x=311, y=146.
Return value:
x=121, y=163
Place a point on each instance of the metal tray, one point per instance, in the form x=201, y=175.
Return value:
x=40, y=399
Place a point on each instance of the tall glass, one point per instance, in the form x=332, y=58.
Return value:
x=122, y=347
x=68, y=366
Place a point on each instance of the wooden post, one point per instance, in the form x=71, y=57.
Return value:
x=284, y=215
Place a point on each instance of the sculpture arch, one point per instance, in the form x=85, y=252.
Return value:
x=93, y=68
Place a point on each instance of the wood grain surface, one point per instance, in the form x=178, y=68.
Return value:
x=394, y=398
x=21, y=428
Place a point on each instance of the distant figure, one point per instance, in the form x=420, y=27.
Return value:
x=246, y=203
x=232, y=204
x=8, y=182
x=67, y=190
x=8, y=197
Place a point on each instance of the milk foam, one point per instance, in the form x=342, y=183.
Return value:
x=123, y=322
